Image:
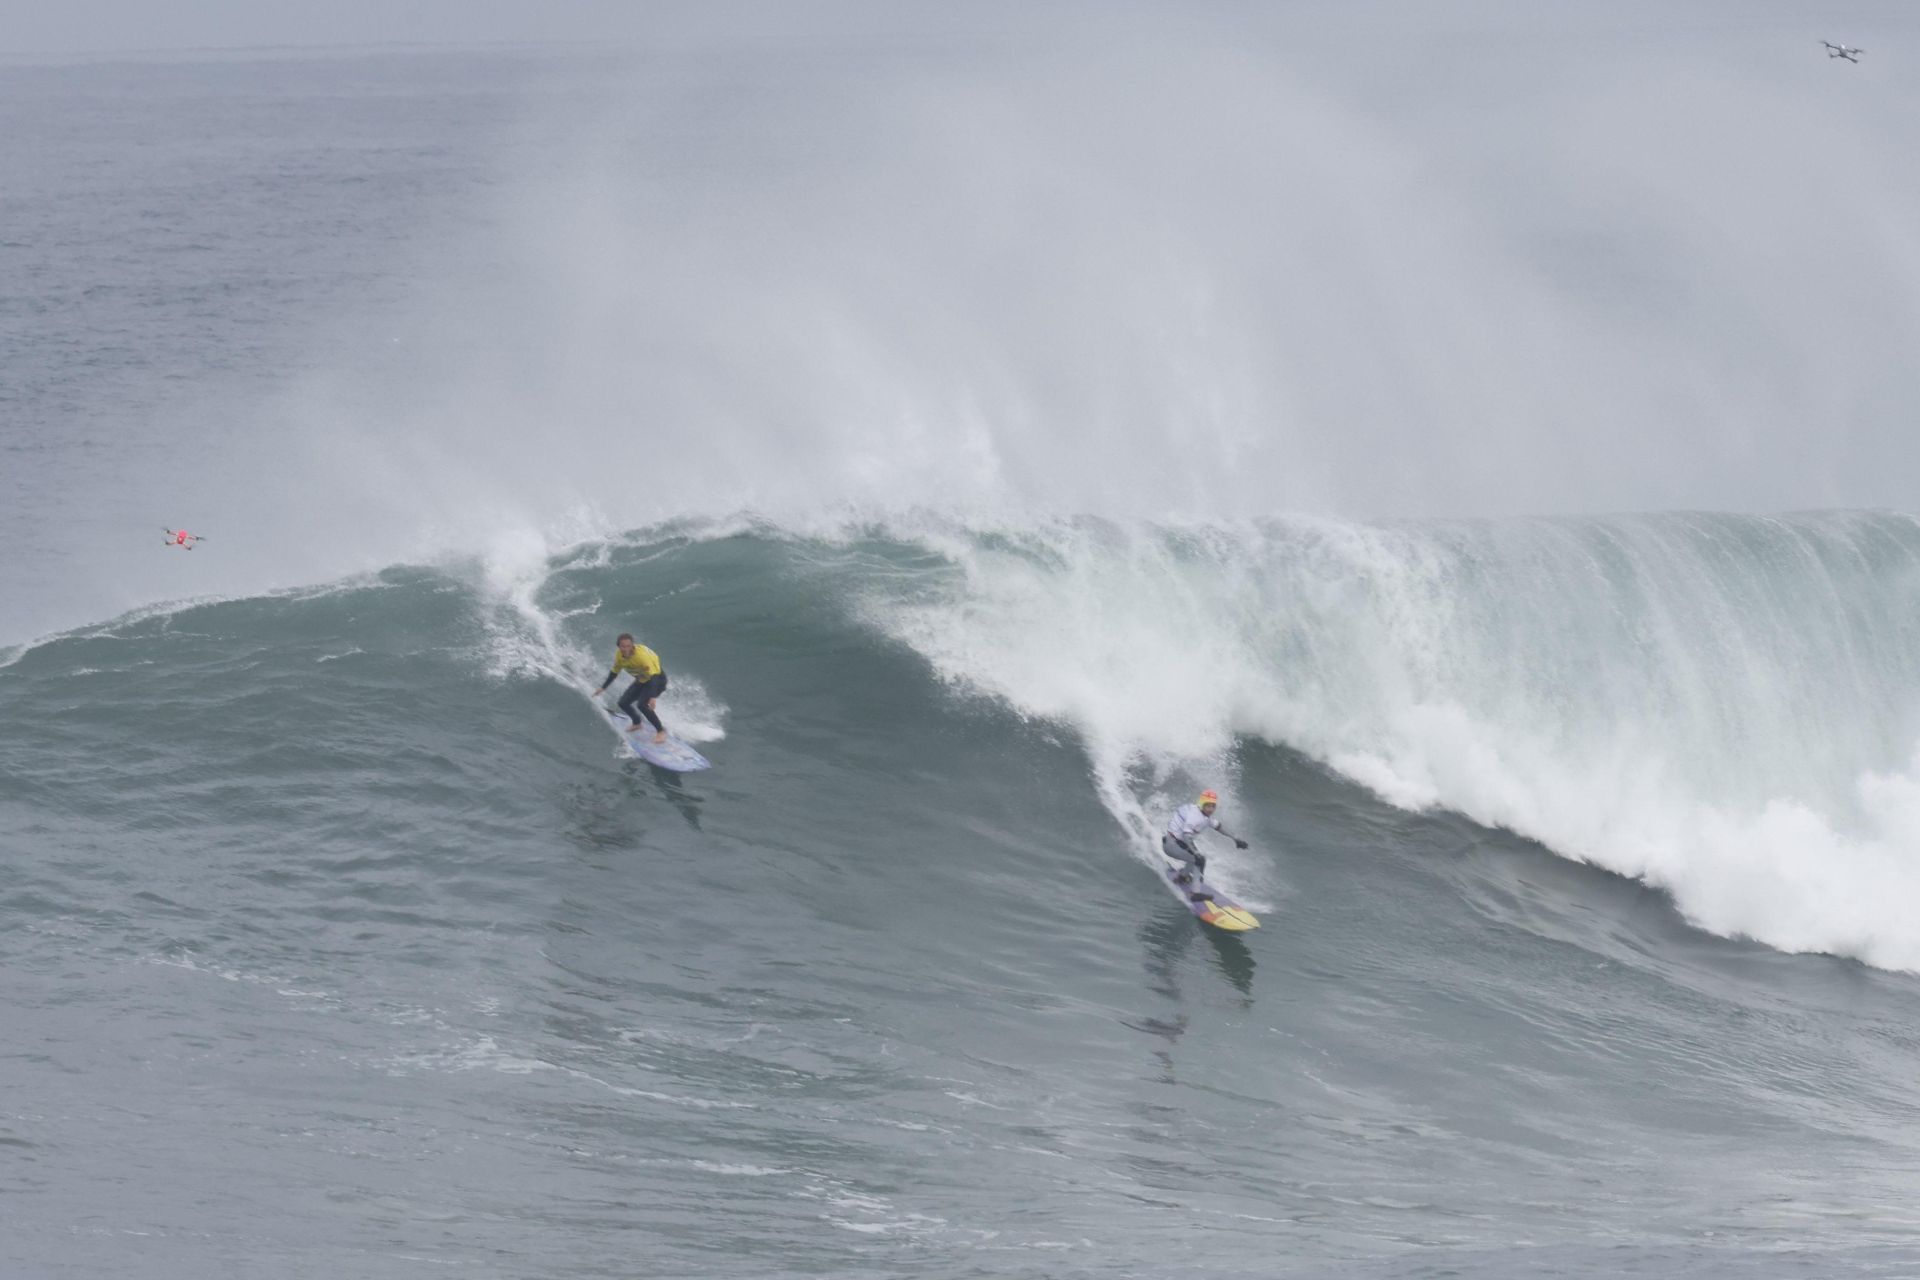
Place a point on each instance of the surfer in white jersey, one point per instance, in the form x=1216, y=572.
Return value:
x=1188, y=821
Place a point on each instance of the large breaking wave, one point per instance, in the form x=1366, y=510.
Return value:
x=1725, y=707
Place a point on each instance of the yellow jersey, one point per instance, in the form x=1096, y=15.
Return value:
x=643, y=665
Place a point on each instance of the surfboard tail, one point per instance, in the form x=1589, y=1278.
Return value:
x=1208, y=904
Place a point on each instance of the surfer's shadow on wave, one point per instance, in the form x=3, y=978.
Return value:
x=610, y=814
x=1168, y=938
x=668, y=786
x=594, y=821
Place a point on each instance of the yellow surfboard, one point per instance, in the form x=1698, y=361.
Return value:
x=1208, y=904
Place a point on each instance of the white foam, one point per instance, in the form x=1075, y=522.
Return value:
x=1724, y=707
x=528, y=638
x=480, y=1053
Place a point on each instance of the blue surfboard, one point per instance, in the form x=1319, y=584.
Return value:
x=672, y=754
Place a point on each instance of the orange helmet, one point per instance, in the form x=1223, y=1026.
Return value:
x=1209, y=796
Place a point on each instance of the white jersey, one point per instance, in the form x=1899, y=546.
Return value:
x=1188, y=822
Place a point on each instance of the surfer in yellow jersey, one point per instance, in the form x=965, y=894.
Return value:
x=649, y=682
x=1188, y=821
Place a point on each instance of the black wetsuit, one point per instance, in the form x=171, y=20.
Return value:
x=634, y=700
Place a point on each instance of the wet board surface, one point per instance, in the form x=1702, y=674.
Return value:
x=1208, y=904
x=672, y=754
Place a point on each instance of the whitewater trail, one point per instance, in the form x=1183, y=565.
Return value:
x=529, y=638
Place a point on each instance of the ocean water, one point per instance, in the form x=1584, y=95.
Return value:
x=339, y=937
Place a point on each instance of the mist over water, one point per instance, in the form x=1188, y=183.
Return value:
x=1115, y=261
x=1152, y=267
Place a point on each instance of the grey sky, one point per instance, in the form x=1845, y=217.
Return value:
x=130, y=25
x=115, y=25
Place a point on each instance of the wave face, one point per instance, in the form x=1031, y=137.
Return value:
x=376, y=913
x=1722, y=706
